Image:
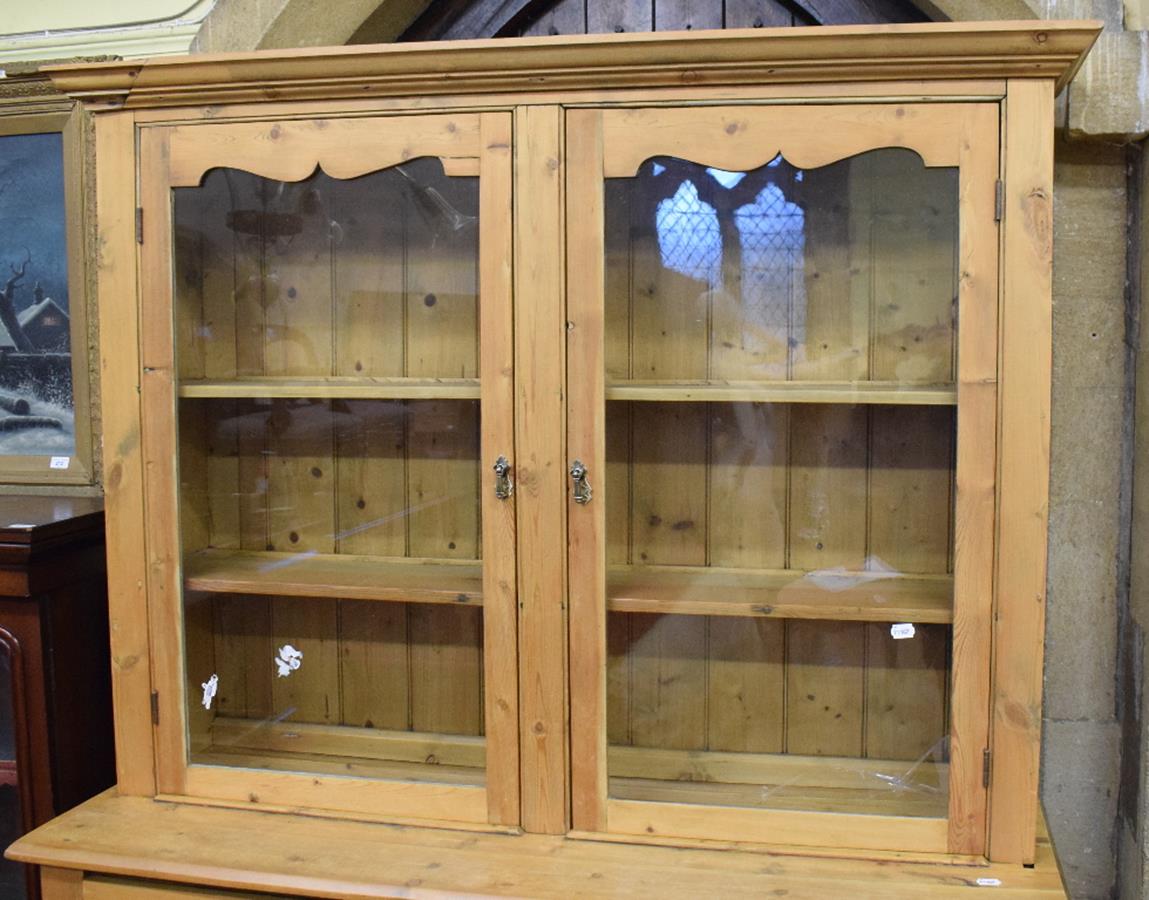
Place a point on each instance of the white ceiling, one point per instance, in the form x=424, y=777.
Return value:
x=64, y=29
x=69, y=15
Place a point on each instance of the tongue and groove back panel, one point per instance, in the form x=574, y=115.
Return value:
x=335, y=278
x=741, y=485
x=863, y=290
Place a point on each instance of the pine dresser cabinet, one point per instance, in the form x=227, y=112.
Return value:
x=560, y=467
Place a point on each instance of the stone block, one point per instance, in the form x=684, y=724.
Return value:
x=1089, y=268
x=239, y=25
x=1079, y=791
x=235, y=25
x=1110, y=95
x=1086, y=452
x=1130, y=866
x=1081, y=611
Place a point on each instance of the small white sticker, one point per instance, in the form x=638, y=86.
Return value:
x=901, y=631
x=209, y=690
x=989, y=882
x=59, y=462
x=288, y=660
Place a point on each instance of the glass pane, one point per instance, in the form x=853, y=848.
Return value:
x=370, y=277
x=777, y=714
x=339, y=687
x=780, y=447
x=13, y=877
x=37, y=415
x=843, y=273
x=329, y=473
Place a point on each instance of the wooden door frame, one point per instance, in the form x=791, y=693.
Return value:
x=965, y=136
x=1025, y=373
x=171, y=156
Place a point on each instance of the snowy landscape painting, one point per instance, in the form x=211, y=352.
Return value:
x=36, y=401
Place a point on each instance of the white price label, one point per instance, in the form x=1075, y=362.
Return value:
x=901, y=631
x=989, y=882
x=59, y=462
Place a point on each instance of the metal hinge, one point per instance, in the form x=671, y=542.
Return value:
x=155, y=707
x=985, y=758
x=998, y=200
x=139, y=224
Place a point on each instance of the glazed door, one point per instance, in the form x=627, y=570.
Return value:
x=782, y=414
x=327, y=386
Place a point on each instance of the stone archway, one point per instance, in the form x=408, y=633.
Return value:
x=239, y=25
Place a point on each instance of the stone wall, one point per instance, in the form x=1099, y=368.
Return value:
x=1088, y=491
x=1133, y=873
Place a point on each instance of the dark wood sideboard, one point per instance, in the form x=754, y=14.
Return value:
x=56, y=746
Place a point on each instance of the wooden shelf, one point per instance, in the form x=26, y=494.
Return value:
x=769, y=780
x=344, y=750
x=233, y=734
x=780, y=593
x=871, y=392
x=779, y=781
x=875, y=392
x=334, y=388
x=135, y=836
x=923, y=804
x=334, y=576
x=772, y=780
x=678, y=590
x=317, y=764
x=888, y=787
x=790, y=769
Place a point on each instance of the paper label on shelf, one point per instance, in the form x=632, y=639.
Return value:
x=288, y=660
x=59, y=462
x=989, y=882
x=210, y=687
x=901, y=631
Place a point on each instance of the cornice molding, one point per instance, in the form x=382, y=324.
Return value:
x=134, y=42
x=935, y=51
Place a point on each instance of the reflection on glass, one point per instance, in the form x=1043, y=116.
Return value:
x=780, y=565
x=777, y=714
x=330, y=521
x=386, y=478
x=757, y=247
x=337, y=687
x=842, y=273
x=329, y=473
x=760, y=556
x=13, y=878
x=373, y=276
x=37, y=417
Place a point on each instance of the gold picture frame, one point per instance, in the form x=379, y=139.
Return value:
x=48, y=114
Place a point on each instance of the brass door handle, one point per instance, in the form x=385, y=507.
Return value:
x=582, y=489
x=504, y=487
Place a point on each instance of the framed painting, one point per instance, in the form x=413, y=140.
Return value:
x=45, y=416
